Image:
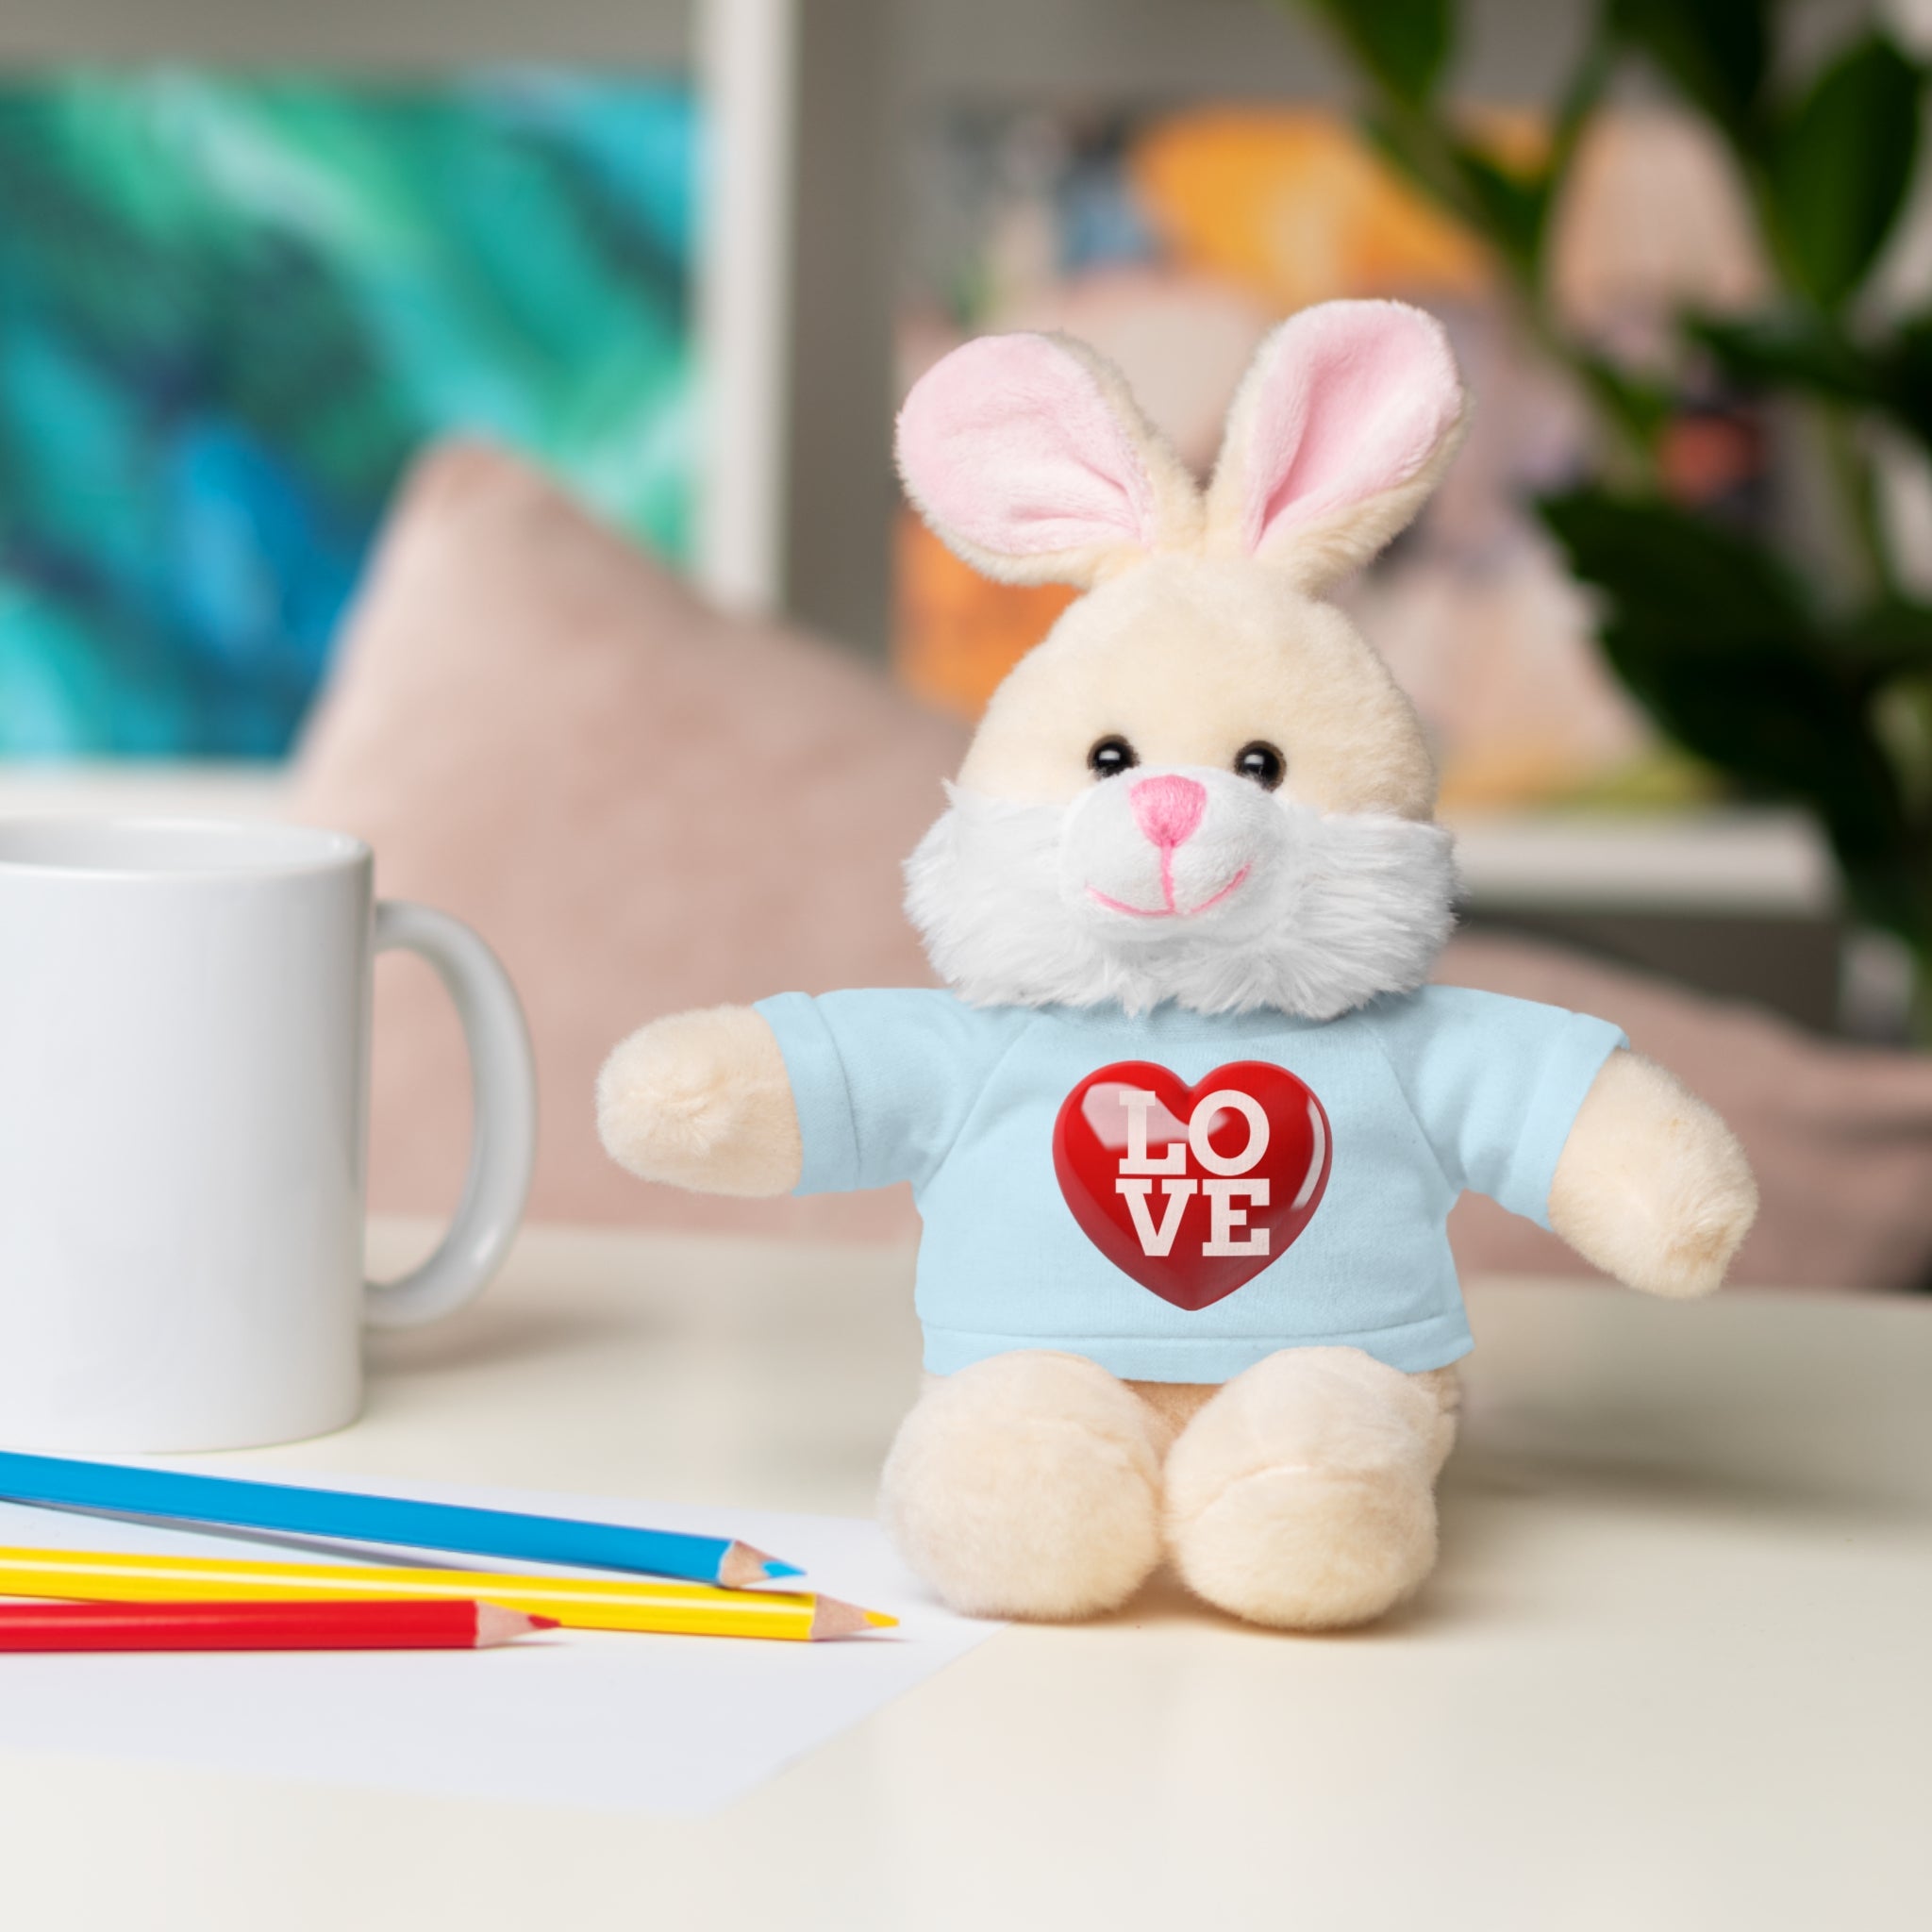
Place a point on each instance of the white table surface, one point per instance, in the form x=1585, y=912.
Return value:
x=1675, y=1671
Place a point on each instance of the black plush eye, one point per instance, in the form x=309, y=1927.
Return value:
x=1110, y=757
x=1261, y=763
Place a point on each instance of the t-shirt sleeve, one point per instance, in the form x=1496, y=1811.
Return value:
x=883, y=1080
x=1495, y=1084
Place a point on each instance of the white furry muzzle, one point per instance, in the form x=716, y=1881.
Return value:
x=1216, y=894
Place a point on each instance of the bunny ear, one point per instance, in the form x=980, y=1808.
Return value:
x=1030, y=458
x=1343, y=425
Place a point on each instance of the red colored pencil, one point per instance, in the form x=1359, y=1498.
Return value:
x=367, y=1625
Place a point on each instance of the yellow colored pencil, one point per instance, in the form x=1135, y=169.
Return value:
x=578, y=1603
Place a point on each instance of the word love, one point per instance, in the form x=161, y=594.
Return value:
x=1139, y=1167
x=1192, y=1191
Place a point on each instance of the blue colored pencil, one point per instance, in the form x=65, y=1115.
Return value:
x=343, y=1516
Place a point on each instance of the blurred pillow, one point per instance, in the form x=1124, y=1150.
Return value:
x=1841, y=1136
x=642, y=804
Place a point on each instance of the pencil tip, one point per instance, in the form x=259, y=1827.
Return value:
x=742, y=1566
x=495, y=1624
x=830, y=1618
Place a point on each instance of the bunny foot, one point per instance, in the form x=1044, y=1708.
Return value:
x=1028, y=1485
x=1301, y=1495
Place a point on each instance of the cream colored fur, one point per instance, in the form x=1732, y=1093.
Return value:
x=1190, y=658
x=1651, y=1185
x=1035, y=1485
x=1325, y=552
x=700, y=1100
x=1028, y=1485
x=1300, y=1495
x=1178, y=511
x=1303, y=1494
x=1319, y=554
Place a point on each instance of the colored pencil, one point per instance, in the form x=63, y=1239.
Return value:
x=343, y=1516
x=578, y=1603
x=458, y=1625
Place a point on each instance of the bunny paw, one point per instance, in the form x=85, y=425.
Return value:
x=1652, y=1186
x=700, y=1100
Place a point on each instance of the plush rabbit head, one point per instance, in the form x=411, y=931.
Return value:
x=1202, y=785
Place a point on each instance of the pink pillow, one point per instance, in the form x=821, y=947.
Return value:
x=641, y=804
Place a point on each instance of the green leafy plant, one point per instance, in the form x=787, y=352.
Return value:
x=1801, y=679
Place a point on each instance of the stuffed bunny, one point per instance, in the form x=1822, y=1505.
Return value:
x=1187, y=1121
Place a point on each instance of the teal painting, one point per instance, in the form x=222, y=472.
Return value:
x=232, y=308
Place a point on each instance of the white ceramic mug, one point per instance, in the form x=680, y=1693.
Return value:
x=184, y=1048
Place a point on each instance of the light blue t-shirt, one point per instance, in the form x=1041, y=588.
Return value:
x=1420, y=1097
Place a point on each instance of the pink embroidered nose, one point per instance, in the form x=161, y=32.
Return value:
x=1168, y=809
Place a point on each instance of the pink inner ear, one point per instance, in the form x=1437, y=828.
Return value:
x=1354, y=399
x=1010, y=444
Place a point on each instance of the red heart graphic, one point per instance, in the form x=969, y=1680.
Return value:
x=1158, y=1186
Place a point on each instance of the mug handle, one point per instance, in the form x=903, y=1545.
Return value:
x=503, y=1132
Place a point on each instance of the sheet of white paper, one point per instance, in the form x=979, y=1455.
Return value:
x=591, y=1719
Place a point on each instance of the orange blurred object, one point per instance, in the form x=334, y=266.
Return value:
x=1297, y=208
x=956, y=632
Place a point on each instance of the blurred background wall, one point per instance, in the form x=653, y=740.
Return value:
x=254, y=256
